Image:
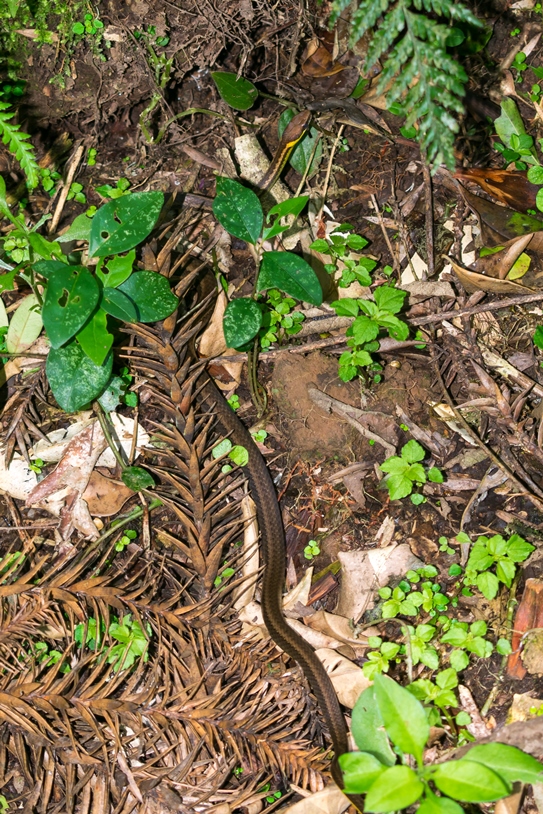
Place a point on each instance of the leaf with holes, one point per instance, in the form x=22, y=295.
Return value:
x=123, y=223
x=95, y=339
x=72, y=295
x=74, y=378
x=150, y=293
x=25, y=325
x=291, y=274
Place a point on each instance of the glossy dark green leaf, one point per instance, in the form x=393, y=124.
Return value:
x=241, y=322
x=469, y=782
x=290, y=274
x=360, y=771
x=71, y=296
x=238, y=210
x=510, y=763
x=123, y=223
x=137, y=478
x=396, y=788
x=116, y=270
x=368, y=728
x=95, y=339
x=45, y=267
x=79, y=229
x=118, y=304
x=236, y=91
x=150, y=292
x=403, y=716
x=74, y=378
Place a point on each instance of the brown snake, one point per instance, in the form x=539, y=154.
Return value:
x=273, y=546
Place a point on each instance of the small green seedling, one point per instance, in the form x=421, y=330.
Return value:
x=233, y=401
x=388, y=721
x=279, y=317
x=126, y=539
x=405, y=471
x=122, y=188
x=340, y=247
x=133, y=641
x=237, y=454
x=311, y=550
x=494, y=552
x=37, y=465
x=224, y=575
x=371, y=318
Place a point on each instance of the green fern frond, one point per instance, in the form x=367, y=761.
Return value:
x=17, y=144
x=428, y=83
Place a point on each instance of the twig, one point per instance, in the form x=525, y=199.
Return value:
x=74, y=164
x=329, y=169
x=395, y=261
x=481, y=444
x=428, y=198
x=269, y=355
x=497, y=305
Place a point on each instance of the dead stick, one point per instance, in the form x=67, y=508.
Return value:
x=428, y=197
x=478, y=309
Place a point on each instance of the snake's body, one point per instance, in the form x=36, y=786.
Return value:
x=273, y=547
x=272, y=535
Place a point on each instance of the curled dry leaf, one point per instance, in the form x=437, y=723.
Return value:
x=340, y=628
x=363, y=572
x=348, y=679
x=480, y=282
x=330, y=800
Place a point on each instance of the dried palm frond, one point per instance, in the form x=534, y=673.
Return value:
x=199, y=714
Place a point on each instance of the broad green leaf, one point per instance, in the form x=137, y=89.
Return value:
x=363, y=330
x=469, y=782
x=399, y=486
x=241, y=322
x=505, y=571
x=394, y=465
x=121, y=224
x=447, y=679
x=348, y=307
x=25, y=326
x=137, y=479
x=412, y=451
x=292, y=206
x=236, y=91
x=435, y=475
x=239, y=455
x=368, y=728
x=290, y=274
x=416, y=473
x=7, y=280
x=71, y=296
x=510, y=123
x=430, y=658
x=305, y=151
x=518, y=549
x=222, y=448
x=111, y=397
x=47, y=267
x=488, y=584
x=79, y=229
x=117, y=270
x=503, y=646
x=456, y=636
x=238, y=210
x=439, y=805
x=510, y=763
x=150, y=293
x=44, y=248
x=360, y=770
x=95, y=338
x=396, y=788
x=118, y=304
x=389, y=298
x=74, y=378
x=479, y=558
x=397, y=329
x=403, y=717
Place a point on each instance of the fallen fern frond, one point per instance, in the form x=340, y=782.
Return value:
x=428, y=82
x=18, y=145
